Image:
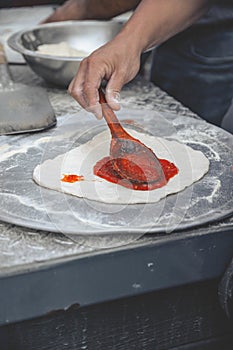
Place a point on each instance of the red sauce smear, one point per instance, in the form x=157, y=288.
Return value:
x=104, y=168
x=72, y=178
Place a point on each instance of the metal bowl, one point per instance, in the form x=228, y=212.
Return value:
x=81, y=35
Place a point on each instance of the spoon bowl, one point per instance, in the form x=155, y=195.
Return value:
x=132, y=160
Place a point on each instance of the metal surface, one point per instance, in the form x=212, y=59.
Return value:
x=151, y=265
x=23, y=248
x=23, y=108
x=84, y=35
x=35, y=264
x=25, y=203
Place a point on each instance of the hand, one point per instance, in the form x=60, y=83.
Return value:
x=117, y=62
x=70, y=10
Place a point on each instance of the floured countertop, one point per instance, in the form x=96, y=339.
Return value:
x=21, y=247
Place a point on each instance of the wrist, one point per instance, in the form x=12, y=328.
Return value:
x=134, y=40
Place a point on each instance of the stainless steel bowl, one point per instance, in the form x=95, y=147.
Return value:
x=82, y=35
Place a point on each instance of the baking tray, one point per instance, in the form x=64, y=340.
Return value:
x=25, y=203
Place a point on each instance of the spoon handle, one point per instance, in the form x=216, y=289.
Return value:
x=115, y=127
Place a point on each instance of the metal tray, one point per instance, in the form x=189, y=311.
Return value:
x=25, y=203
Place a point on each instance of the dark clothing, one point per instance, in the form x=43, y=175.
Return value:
x=196, y=66
x=220, y=12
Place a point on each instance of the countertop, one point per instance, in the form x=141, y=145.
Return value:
x=38, y=263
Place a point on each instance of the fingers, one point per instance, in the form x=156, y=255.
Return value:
x=110, y=62
x=70, y=10
x=113, y=89
x=84, y=87
x=57, y=16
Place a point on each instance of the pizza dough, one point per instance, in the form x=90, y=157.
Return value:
x=61, y=49
x=192, y=166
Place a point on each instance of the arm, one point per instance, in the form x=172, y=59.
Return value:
x=153, y=22
x=91, y=9
x=159, y=20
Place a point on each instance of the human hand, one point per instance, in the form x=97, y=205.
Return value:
x=113, y=62
x=70, y=10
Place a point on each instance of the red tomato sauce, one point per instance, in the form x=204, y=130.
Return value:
x=72, y=178
x=104, y=168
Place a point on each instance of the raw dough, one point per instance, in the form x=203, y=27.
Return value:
x=192, y=166
x=61, y=49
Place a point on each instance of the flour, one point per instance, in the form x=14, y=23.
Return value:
x=61, y=49
x=192, y=166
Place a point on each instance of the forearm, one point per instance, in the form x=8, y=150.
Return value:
x=106, y=9
x=118, y=61
x=154, y=21
x=91, y=9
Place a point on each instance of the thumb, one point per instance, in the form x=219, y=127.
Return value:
x=113, y=89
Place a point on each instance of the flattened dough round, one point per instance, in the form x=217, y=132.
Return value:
x=192, y=166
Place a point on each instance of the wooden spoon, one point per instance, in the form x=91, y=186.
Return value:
x=131, y=158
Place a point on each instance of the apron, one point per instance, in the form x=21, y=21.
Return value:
x=196, y=66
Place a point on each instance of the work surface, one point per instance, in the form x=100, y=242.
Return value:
x=31, y=258
x=37, y=262
x=22, y=246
